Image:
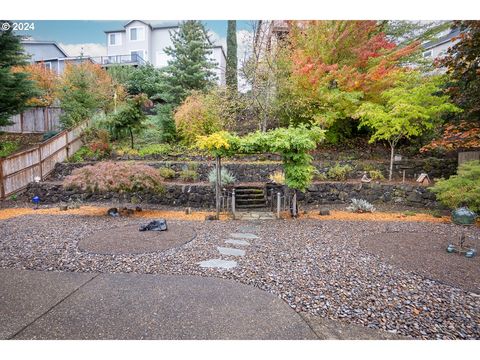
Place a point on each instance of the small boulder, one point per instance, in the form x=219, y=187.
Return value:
x=324, y=211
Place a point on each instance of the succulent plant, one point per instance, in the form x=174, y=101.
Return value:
x=360, y=206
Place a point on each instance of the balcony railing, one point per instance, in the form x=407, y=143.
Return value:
x=132, y=59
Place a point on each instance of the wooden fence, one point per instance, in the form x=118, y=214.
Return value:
x=20, y=169
x=35, y=120
x=465, y=156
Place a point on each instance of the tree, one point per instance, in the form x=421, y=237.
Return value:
x=462, y=136
x=85, y=88
x=406, y=110
x=231, y=68
x=292, y=143
x=46, y=81
x=463, y=67
x=141, y=80
x=166, y=123
x=131, y=118
x=201, y=114
x=15, y=87
x=189, y=67
x=331, y=65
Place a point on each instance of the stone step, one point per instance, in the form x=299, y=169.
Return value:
x=249, y=191
x=230, y=251
x=251, y=206
x=218, y=263
x=249, y=196
x=243, y=187
x=250, y=201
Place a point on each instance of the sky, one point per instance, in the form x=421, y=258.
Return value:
x=77, y=35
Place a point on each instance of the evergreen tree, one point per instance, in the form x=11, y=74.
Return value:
x=231, y=70
x=15, y=87
x=190, y=67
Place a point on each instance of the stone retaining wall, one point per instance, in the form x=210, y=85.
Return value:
x=260, y=172
x=202, y=195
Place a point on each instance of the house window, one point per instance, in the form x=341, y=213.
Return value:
x=427, y=54
x=114, y=39
x=136, y=33
x=47, y=65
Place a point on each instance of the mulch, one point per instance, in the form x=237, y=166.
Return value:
x=426, y=254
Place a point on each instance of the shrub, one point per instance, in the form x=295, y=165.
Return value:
x=200, y=114
x=155, y=149
x=319, y=176
x=463, y=188
x=409, y=213
x=360, y=206
x=188, y=175
x=339, y=172
x=376, y=175
x=110, y=176
x=126, y=151
x=166, y=123
x=167, y=173
x=226, y=176
x=82, y=154
x=277, y=177
x=8, y=147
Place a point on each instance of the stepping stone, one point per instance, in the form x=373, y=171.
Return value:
x=231, y=251
x=237, y=242
x=246, y=228
x=244, y=236
x=218, y=263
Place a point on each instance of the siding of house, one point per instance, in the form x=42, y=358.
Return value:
x=154, y=44
x=40, y=52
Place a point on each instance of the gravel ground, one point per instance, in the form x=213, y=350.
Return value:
x=317, y=267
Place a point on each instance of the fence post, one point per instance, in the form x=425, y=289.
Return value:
x=21, y=122
x=2, y=188
x=233, y=203
x=45, y=120
x=67, y=145
x=278, y=204
x=40, y=161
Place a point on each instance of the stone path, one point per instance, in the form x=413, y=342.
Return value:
x=238, y=243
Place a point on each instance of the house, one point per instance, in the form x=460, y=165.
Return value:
x=140, y=42
x=50, y=54
x=438, y=47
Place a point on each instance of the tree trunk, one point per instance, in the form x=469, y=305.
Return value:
x=390, y=173
x=218, y=185
x=131, y=137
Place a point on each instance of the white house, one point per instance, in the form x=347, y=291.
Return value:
x=140, y=42
x=438, y=47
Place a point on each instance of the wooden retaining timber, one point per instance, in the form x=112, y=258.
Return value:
x=20, y=169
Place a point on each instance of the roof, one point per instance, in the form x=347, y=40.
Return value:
x=153, y=26
x=67, y=58
x=442, y=40
x=39, y=42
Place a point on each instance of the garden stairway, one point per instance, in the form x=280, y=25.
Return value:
x=250, y=197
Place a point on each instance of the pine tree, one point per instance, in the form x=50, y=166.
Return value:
x=15, y=87
x=190, y=67
x=231, y=70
